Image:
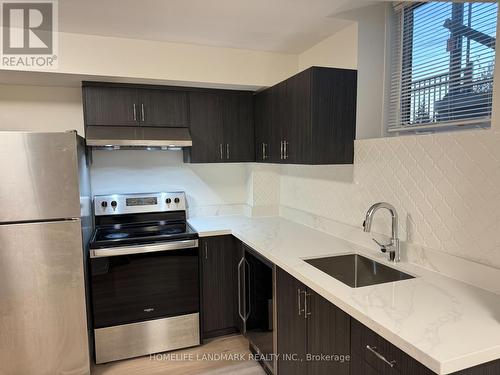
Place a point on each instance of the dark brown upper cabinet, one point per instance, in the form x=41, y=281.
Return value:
x=270, y=114
x=166, y=108
x=308, y=119
x=115, y=106
x=222, y=127
x=206, y=129
x=134, y=105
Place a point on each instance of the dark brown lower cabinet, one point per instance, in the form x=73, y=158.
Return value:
x=380, y=355
x=292, y=332
x=313, y=334
x=314, y=337
x=373, y=355
x=218, y=265
x=359, y=367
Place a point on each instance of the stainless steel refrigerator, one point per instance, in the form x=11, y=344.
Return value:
x=45, y=224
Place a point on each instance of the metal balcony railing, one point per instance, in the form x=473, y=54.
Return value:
x=430, y=100
x=424, y=94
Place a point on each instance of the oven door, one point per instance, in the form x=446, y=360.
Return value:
x=138, y=283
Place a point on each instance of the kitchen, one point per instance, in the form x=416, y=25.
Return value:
x=230, y=180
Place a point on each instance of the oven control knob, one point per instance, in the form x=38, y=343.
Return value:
x=168, y=201
x=104, y=204
x=176, y=200
x=113, y=203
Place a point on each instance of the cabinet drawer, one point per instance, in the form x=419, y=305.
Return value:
x=360, y=367
x=385, y=358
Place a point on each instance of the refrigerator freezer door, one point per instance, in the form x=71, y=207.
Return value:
x=43, y=327
x=39, y=176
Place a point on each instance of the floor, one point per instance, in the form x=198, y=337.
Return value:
x=190, y=361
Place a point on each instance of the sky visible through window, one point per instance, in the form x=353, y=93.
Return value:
x=430, y=36
x=431, y=100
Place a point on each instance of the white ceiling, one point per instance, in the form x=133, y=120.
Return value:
x=289, y=26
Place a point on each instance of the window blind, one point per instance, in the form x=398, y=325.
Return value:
x=443, y=62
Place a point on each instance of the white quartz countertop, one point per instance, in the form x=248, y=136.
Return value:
x=443, y=323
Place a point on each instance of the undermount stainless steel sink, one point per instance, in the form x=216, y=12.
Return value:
x=356, y=270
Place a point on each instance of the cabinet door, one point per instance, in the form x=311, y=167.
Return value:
x=116, y=106
x=219, y=283
x=291, y=324
x=262, y=126
x=360, y=367
x=166, y=108
x=333, y=112
x=328, y=332
x=238, y=126
x=206, y=128
x=298, y=124
x=278, y=123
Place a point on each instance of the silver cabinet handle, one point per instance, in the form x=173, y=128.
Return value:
x=264, y=151
x=206, y=250
x=239, y=289
x=227, y=151
x=307, y=313
x=299, y=292
x=135, y=113
x=220, y=150
x=373, y=349
x=285, y=150
x=142, y=112
x=281, y=150
x=249, y=295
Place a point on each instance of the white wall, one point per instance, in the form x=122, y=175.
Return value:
x=371, y=69
x=211, y=189
x=140, y=59
x=34, y=108
x=339, y=51
x=361, y=46
x=51, y=108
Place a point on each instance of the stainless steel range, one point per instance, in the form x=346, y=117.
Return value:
x=144, y=276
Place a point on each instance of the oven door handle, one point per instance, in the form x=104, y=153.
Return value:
x=150, y=248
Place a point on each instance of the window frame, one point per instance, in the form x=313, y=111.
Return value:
x=403, y=122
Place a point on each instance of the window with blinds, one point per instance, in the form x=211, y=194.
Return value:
x=442, y=66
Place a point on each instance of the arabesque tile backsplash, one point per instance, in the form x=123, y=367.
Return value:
x=446, y=188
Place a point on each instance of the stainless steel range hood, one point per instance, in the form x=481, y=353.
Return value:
x=137, y=137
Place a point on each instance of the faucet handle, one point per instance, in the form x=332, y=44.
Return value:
x=383, y=247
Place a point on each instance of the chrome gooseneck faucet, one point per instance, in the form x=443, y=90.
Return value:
x=393, y=246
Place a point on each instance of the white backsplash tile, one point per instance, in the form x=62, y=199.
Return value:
x=263, y=186
x=211, y=189
x=446, y=188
